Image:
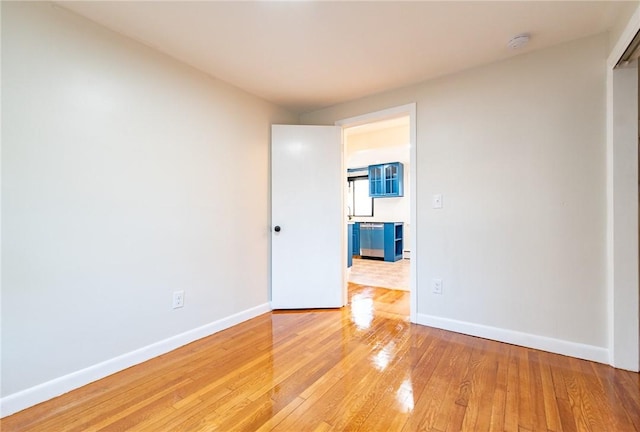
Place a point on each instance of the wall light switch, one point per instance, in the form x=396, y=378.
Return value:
x=437, y=201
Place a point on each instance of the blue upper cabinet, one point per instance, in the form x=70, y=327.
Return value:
x=385, y=180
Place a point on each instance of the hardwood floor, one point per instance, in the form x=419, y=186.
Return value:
x=364, y=367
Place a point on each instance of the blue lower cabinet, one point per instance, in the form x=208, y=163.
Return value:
x=349, y=245
x=356, y=239
x=393, y=241
x=379, y=240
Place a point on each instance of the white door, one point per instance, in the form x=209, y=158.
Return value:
x=307, y=212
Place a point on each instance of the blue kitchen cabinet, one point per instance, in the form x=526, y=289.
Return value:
x=386, y=180
x=356, y=239
x=350, y=244
x=376, y=180
x=382, y=240
x=393, y=241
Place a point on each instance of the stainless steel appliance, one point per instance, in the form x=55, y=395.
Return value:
x=372, y=240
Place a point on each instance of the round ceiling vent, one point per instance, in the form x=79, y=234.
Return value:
x=519, y=41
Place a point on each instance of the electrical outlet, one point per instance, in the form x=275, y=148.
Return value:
x=178, y=299
x=436, y=286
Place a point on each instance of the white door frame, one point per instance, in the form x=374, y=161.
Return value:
x=622, y=213
x=403, y=110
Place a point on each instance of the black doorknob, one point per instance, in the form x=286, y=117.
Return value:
x=277, y=228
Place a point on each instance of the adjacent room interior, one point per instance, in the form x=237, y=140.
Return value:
x=376, y=261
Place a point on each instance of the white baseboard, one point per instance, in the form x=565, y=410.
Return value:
x=558, y=346
x=26, y=398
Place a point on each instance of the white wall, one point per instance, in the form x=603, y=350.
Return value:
x=120, y=185
x=517, y=149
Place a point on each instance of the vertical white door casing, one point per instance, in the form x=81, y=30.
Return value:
x=307, y=254
x=622, y=205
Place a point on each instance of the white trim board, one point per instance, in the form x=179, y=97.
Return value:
x=42, y=392
x=557, y=346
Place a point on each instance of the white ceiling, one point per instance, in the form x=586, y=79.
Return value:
x=304, y=55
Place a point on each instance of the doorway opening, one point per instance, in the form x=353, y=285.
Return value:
x=379, y=153
x=372, y=144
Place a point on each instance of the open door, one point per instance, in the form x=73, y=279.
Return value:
x=307, y=210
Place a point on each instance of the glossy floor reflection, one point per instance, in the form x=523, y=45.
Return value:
x=363, y=367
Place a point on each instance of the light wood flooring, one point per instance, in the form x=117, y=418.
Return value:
x=364, y=367
x=394, y=275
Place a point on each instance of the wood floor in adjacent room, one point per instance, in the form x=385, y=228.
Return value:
x=394, y=275
x=364, y=367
